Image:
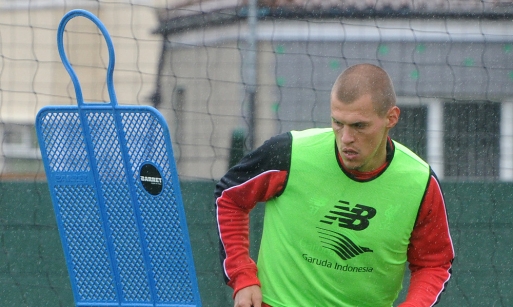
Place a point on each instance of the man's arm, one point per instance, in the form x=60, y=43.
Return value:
x=431, y=252
x=259, y=176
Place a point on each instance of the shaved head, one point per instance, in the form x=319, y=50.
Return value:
x=362, y=79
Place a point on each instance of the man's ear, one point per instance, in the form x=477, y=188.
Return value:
x=393, y=116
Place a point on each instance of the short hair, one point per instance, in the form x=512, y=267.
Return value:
x=361, y=79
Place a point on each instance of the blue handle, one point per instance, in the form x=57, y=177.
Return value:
x=69, y=68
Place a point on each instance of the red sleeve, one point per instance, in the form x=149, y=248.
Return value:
x=259, y=176
x=430, y=252
x=233, y=207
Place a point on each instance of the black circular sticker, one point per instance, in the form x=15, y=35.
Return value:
x=151, y=179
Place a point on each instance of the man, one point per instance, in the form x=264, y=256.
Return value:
x=346, y=208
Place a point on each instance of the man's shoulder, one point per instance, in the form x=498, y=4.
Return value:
x=313, y=136
x=406, y=161
x=312, y=132
x=412, y=156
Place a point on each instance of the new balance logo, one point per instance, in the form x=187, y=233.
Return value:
x=340, y=244
x=354, y=219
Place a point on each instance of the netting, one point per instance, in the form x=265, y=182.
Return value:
x=225, y=85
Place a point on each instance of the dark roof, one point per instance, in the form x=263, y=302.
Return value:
x=183, y=15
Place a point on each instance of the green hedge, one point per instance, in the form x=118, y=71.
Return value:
x=33, y=272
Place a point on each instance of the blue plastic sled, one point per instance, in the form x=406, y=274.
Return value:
x=116, y=195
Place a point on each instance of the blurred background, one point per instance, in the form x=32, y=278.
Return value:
x=229, y=74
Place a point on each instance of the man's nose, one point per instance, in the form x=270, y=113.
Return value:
x=347, y=135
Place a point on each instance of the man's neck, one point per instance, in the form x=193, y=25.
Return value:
x=359, y=175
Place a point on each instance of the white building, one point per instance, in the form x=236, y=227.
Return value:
x=451, y=63
x=32, y=75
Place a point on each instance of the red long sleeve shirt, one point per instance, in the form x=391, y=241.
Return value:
x=263, y=174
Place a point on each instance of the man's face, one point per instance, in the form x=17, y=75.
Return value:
x=361, y=134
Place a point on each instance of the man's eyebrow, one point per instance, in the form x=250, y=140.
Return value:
x=359, y=124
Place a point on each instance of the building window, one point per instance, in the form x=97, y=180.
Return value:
x=20, y=141
x=472, y=139
x=411, y=130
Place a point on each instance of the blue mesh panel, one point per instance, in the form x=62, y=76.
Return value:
x=145, y=141
x=115, y=188
x=86, y=242
x=120, y=240
x=64, y=142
